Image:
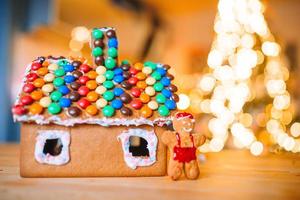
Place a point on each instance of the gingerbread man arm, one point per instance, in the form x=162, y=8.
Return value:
x=167, y=137
x=199, y=139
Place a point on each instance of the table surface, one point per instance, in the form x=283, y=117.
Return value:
x=230, y=174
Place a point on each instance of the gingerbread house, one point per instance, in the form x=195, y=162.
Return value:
x=80, y=120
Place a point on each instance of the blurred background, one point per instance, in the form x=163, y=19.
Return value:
x=176, y=32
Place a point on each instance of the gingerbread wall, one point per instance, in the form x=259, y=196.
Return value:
x=94, y=151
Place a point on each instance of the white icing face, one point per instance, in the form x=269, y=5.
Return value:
x=46, y=158
x=134, y=161
x=183, y=125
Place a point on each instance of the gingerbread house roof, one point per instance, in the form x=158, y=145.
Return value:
x=68, y=91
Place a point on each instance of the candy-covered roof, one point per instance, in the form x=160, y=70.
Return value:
x=68, y=91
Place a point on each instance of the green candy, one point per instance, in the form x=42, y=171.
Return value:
x=160, y=98
x=109, y=74
x=158, y=87
x=108, y=84
x=62, y=62
x=125, y=62
x=58, y=82
x=113, y=52
x=108, y=95
x=97, y=51
x=110, y=63
x=156, y=75
x=59, y=72
x=108, y=111
x=150, y=64
x=97, y=34
x=54, y=108
x=55, y=96
x=163, y=111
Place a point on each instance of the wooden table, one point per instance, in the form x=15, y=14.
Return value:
x=230, y=174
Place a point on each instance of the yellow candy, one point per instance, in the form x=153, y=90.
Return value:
x=92, y=110
x=138, y=66
x=45, y=102
x=91, y=84
x=153, y=105
x=147, y=70
x=150, y=91
x=100, y=70
x=92, y=96
x=49, y=77
x=100, y=103
x=48, y=88
x=35, y=109
x=38, y=82
x=150, y=81
x=141, y=76
x=100, y=89
x=92, y=74
x=100, y=79
x=42, y=71
x=53, y=67
x=141, y=84
x=36, y=95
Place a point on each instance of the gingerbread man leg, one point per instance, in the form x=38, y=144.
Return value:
x=191, y=169
x=175, y=169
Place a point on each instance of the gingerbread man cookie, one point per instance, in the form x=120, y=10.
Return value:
x=182, y=145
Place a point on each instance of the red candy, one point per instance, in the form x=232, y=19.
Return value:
x=32, y=76
x=83, y=90
x=133, y=80
x=133, y=71
x=83, y=79
x=85, y=68
x=36, y=66
x=136, y=92
x=136, y=103
x=19, y=110
x=28, y=87
x=83, y=103
x=26, y=100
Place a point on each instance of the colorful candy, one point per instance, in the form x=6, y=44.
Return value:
x=126, y=111
x=58, y=82
x=36, y=66
x=45, y=102
x=163, y=111
x=118, y=91
x=91, y=84
x=31, y=76
x=145, y=98
x=35, y=109
x=63, y=89
x=83, y=90
x=150, y=91
x=100, y=70
x=91, y=110
x=108, y=95
x=108, y=111
x=100, y=79
x=54, y=108
x=100, y=103
x=19, y=110
x=39, y=82
x=146, y=111
x=26, y=100
x=112, y=52
x=97, y=34
x=136, y=92
x=136, y=103
x=28, y=87
x=153, y=105
x=92, y=96
x=117, y=104
x=83, y=103
x=74, y=111
x=100, y=89
x=56, y=95
x=36, y=95
x=85, y=68
x=158, y=87
x=65, y=102
x=110, y=63
x=53, y=66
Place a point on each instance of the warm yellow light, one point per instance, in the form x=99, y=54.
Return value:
x=184, y=102
x=75, y=45
x=246, y=119
x=215, y=58
x=270, y=48
x=81, y=33
x=205, y=106
x=216, y=144
x=295, y=129
x=276, y=87
x=207, y=83
x=281, y=102
x=256, y=148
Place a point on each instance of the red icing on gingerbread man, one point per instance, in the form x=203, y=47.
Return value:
x=182, y=145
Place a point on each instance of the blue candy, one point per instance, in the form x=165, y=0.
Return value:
x=118, y=91
x=166, y=93
x=165, y=81
x=170, y=104
x=68, y=68
x=161, y=71
x=65, y=102
x=113, y=42
x=118, y=78
x=69, y=78
x=117, y=104
x=118, y=71
x=64, y=89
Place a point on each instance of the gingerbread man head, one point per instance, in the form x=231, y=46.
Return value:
x=183, y=123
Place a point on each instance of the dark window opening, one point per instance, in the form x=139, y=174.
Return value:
x=53, y=147
x=138, y=146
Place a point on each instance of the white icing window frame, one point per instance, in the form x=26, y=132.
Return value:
x=60, y=159
x=134, y=161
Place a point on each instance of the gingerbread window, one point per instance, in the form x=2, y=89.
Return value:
x=139, y=147
x=52, y=147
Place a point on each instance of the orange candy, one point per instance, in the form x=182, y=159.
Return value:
x=145, y=98
x=36, y=95
x=146, y=112
x=92, y=74
x=141, y=76
x=42, y=71
x=45, y=63
x=91, y=110
x=39, y=82
x=35, y=109
x=138, y=66
x=92, y=96
x=141, y=84
x=91, y=84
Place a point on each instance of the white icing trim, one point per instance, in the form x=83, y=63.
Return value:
x=133, y=161
x=42, y=158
